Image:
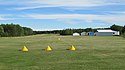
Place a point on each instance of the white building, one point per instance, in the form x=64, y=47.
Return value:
x=106, y=33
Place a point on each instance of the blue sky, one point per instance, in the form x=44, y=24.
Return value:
x=62, y=14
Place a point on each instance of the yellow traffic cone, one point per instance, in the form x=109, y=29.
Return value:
x=72, y=48
x=48, y=48
x=25, y=49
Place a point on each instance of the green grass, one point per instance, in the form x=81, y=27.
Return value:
x=93, y=53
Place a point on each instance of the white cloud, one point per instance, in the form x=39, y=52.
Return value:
x=6, y=17
x=77, y=3
x=117, y=12
x=2, y=18
x=80, y=17
x=30, y=7
x=71, y=4
x=55, y=16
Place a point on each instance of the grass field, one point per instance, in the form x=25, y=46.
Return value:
x=93, y=53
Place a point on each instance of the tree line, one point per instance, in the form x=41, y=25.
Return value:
x=12, y=30
x=114, y=27
x=68, y=31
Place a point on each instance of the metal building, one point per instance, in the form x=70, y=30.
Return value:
x=106, y=33
x=90, y=33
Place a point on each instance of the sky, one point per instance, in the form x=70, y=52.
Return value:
x=63, y=14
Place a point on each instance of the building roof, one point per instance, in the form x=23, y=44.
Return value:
x=106, y=31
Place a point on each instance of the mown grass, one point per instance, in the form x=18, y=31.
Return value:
x=93, y=53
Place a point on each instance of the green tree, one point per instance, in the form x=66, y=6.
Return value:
x=20, y=30
x=66, y=32
x=27, y=31
x=116, y=27
x=88, y=29
x=1, y=31
x=11, y=30
x=123, y=30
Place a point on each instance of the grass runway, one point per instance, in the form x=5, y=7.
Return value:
x=93, y=53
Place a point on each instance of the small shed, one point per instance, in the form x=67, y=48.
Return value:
x=76, y=34
x=83, y=33
x=90, y=33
